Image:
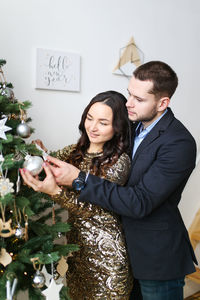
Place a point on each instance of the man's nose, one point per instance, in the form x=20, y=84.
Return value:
x=130, y=101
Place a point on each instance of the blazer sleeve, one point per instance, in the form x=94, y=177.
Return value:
x=165, y=177
x=68, y=198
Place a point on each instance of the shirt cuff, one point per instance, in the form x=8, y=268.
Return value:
x=87, y=176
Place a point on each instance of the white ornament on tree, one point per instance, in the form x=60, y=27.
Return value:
x=44, y=153
x=8, y=92
x=4, y=128
x=52, y=292
x=33, y=164
x=47, y=276
x=5, y=186
x=10, y=288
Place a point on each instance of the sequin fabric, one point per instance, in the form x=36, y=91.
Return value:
x=100, y=270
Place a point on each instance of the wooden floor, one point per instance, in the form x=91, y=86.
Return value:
x=195, y=296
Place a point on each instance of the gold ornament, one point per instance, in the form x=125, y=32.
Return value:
x=5, y=258
x=5, y=228
x=62, y=267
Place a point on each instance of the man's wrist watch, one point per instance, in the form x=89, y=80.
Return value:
x=78, y=184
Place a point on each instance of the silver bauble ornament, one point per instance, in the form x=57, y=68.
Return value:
x=56, y=275
x=18, y=156
x=8, y=92
x=38, y=280
x=33, y=164
x=19, y=232
x=23, y=130
x=2, y=88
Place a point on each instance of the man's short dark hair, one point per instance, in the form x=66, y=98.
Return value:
x=164, y=79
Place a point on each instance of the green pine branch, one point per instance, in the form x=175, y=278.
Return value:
x=26, y=205
x=2, y=62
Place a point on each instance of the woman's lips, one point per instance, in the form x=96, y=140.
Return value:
x=93, y=135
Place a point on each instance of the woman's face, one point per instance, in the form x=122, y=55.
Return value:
x=98, y=124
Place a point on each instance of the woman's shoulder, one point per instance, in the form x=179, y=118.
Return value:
x=123, y=163
x=69, y=148
x=64, y=153
x=124, y=157
x=119, y=171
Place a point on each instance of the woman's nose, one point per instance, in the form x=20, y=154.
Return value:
x=93, y=126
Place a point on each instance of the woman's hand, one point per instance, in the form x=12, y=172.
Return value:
x=47, y=186
x=40, y=143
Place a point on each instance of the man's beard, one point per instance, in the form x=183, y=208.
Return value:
x=151, y=116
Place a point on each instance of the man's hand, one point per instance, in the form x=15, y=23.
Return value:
x=63, y=172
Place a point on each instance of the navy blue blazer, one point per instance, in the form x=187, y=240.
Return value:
x=157, y=240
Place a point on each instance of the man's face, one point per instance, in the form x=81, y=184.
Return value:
x=141, y=105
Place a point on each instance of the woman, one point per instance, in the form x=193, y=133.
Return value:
x=100, y=270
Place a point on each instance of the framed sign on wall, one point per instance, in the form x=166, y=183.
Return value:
x=57, y=70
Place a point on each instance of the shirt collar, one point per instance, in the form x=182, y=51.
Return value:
x=148, y=128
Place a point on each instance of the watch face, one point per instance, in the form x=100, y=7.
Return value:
x=79, y=183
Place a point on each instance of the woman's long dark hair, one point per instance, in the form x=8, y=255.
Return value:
x=113, y=148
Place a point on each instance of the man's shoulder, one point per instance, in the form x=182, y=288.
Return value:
x=176, y=127
x=179, y=129
x=178, y=138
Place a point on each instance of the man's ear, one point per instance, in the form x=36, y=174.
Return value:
x=163, y=103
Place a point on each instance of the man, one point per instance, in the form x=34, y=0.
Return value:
x=164, y=155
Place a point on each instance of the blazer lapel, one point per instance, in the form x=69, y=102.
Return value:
x=133, y=128
x=156, y=131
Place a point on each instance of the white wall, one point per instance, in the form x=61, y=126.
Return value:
x=97, y=29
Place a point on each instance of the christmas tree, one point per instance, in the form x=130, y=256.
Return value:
x=31, y=256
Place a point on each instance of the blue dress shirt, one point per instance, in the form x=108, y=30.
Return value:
x=142, y=133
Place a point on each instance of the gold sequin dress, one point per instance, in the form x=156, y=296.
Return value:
x=100, y=270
